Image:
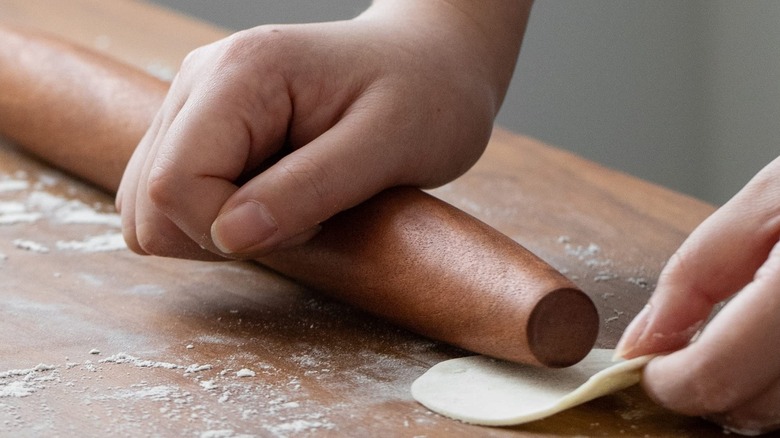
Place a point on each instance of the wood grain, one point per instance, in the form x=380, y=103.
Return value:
x=321, y=368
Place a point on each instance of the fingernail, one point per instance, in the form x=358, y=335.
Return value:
x=245, y=226
x=633, y=332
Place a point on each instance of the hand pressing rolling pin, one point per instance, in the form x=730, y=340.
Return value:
x=402, y=254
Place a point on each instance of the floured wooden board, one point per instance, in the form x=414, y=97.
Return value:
x=108, y=343
x=486, y=391
x=95, y=338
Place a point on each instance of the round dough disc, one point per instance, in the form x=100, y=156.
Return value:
x=482, y=390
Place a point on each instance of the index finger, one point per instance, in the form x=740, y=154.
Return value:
x=733, y=361
x=717, y=260
x=213, y=140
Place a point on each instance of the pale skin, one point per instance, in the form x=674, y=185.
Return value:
x=406, y=94
x=731, y=372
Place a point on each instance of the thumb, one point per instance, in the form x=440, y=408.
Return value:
x=719, y=258
x=733, y=367
x=284, y=205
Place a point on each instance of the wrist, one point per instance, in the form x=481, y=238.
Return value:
x=482, y=40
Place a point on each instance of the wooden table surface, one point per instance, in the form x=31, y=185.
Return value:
x=95, y=340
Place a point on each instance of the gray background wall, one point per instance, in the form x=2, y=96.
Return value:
x=685, y=94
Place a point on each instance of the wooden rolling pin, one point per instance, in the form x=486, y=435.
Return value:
x=403, y=255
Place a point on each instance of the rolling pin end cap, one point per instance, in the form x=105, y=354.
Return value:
x=563, y=327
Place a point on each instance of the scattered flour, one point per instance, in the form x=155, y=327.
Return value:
x=67, y=211
x=12, y=207
x=161, y=71
x=223, y=433
x=19, y=218
x=208, y=385
x=26, y=372
x=215, y=403
x=102, y=243
x=89, y=217
x=604, y=276
x=40, y=204
x=616, y=315
x=195, y=368
x=590, y=256
x=124, y=358
x=15, y=212
x=20, y=383
x=173, y=402
x=29, y=245
x=12, y=185
x=47, y=180
x=149, y=290
x=245, y=372
x=16, y=389
x=639, y=281
x=142, y=391
x=297, y=427
x=583, y=252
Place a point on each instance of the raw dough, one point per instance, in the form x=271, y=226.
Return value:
x=482, y=390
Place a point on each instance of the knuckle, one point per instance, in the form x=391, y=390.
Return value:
x=196, y=59
x=162, y=190
x=150, y=245
x=247, y=44
x=254, y=45
x=157, y=237
x=131, y=240
x=191, y=58
x=151, y=241
x=160, y=237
